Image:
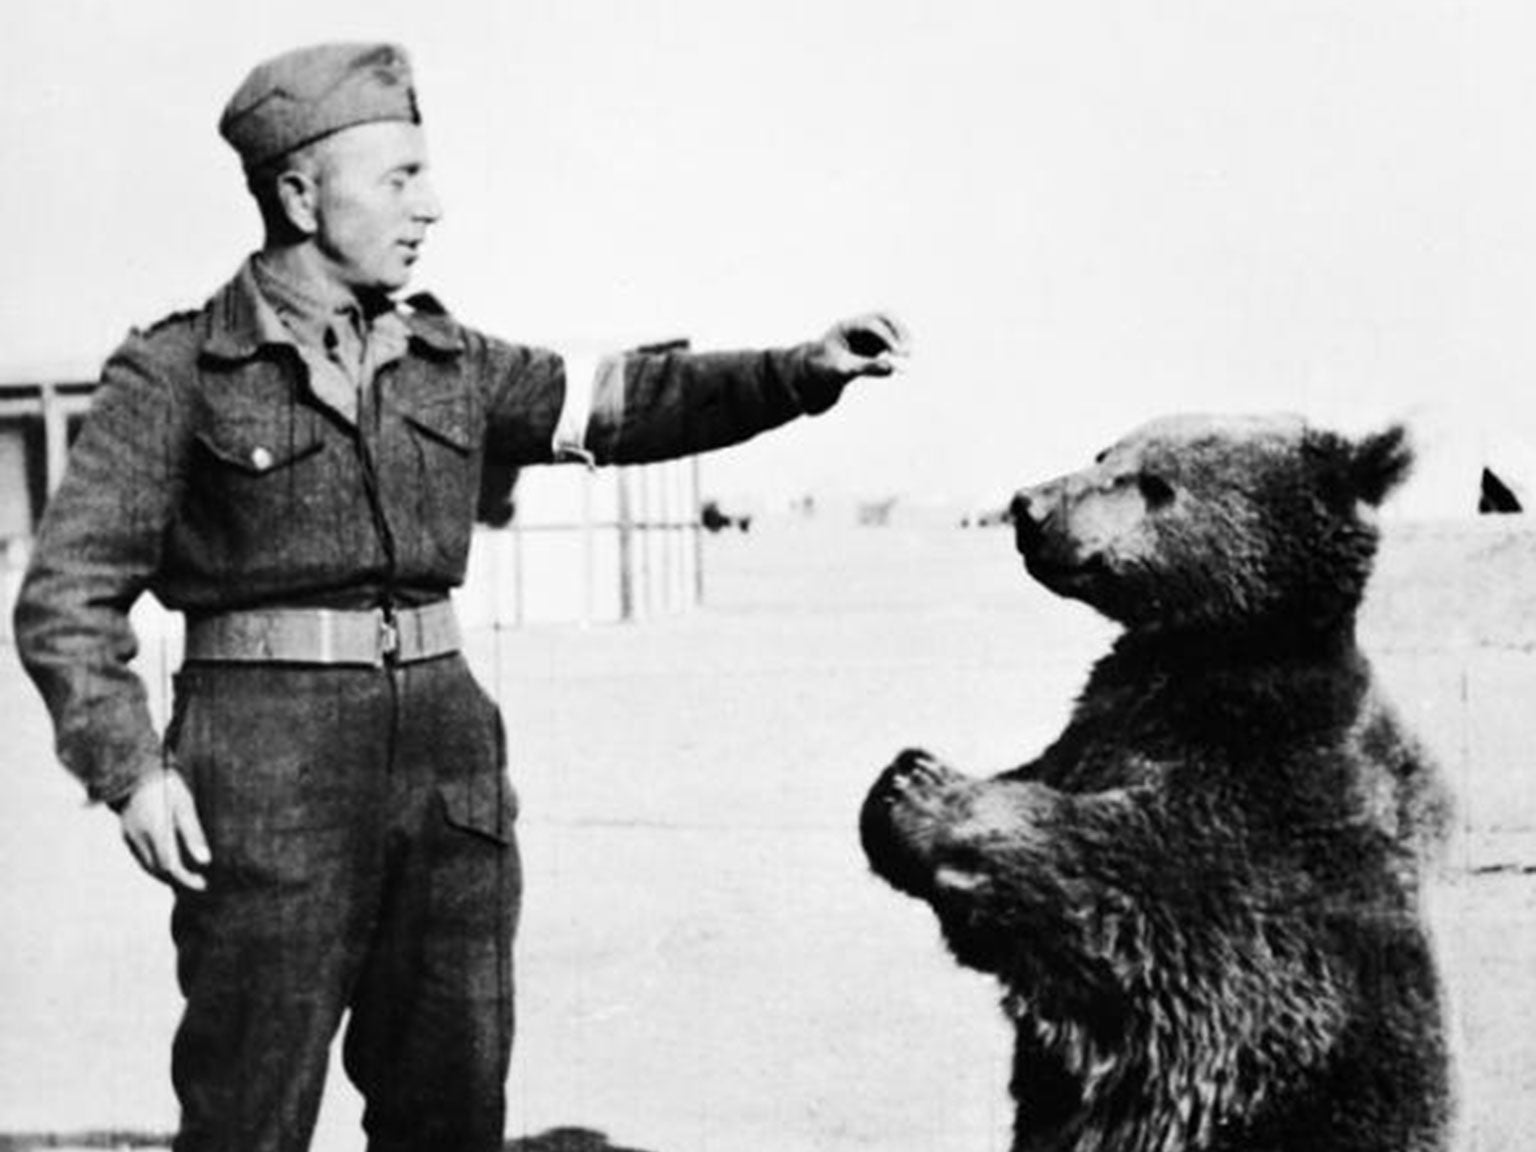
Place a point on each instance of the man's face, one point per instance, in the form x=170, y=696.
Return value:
x=373, y=204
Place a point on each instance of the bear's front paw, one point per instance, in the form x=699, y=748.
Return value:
x=903, y=816
x=918, y=778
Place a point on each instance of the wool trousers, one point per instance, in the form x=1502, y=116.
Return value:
x=365, y=869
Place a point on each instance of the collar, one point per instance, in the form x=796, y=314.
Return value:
x=310, y=309
x=428, y=322
x=238, y=321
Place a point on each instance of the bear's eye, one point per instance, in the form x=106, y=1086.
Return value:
x=1156, y=491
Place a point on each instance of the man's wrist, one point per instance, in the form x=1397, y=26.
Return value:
x=817, y=383
x=117, y=794
x=120, y=801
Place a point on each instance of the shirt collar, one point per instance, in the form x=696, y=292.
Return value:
x=309, y=308
x=239, y=320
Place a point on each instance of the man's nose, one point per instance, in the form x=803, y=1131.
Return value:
x=428, y=207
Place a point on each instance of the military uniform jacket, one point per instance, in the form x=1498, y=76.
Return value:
x=210, y=474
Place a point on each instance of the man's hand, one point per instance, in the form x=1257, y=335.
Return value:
x=161, y=827
x=862, y=346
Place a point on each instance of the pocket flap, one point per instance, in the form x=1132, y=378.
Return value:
x=256, y=449
x=483, y=805
x=445, y=419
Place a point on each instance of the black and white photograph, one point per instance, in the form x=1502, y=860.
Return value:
x=728, y=576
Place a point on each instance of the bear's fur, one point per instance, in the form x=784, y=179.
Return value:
x=1203, y=899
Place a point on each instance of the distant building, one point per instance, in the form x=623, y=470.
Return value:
x=38, y=419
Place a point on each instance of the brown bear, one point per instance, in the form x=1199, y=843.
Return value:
x=1203, y=899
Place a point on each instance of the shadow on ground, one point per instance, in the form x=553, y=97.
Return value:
x=555, y=1140
x=567, y=1140
x=29, y=1141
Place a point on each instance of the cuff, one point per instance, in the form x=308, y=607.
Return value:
x=115, y=790
x=590, y=380
x=815, y=387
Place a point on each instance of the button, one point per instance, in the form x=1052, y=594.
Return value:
x=261, y=459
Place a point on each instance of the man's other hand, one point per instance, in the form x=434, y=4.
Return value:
x=161, y=827
x=866, y=345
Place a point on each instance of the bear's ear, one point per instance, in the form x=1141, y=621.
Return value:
x=1379, y=463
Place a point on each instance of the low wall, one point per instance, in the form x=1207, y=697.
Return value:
x=1450, y=623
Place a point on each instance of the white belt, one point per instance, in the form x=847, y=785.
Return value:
x=373, y=637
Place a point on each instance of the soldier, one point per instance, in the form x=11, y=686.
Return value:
x=295, y=467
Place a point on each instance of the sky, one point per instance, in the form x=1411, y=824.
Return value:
x=1087, y=213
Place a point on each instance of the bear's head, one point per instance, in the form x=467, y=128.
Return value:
x=1198, y=523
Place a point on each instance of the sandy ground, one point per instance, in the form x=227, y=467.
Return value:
x=705, y=963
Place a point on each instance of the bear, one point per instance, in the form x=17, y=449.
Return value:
x=1203, y=900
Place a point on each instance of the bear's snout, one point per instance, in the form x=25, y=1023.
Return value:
x=1064, y=527
x=1042, y=531
x=1029, y=512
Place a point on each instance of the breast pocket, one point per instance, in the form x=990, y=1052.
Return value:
x=257, y=493
x=257, y=449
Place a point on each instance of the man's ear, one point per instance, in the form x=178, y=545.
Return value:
x=299, y=194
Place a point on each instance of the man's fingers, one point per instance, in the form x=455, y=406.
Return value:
x=158, y=856
x=188, y=827
x=183, y=830
x=196, y=844
x=171, y=865
x=873, y=344
x=865, y=339
x=894, y=332
x=163, y=832
x=178, y=873
x=143, y=854
x=874, y=337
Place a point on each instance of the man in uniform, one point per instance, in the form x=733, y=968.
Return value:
x=295, y=466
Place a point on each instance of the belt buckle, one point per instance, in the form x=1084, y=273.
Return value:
x=389, y=636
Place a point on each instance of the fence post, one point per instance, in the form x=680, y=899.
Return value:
x=643, y=541
x=626, y=547
x=588, y=555
x=697, y=529
x=55, y=435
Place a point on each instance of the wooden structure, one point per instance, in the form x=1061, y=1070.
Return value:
x=37, y=421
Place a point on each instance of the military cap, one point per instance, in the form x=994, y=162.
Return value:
x=307, y=93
